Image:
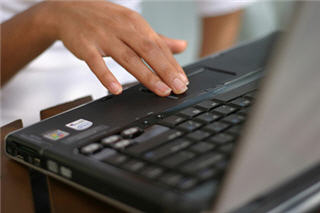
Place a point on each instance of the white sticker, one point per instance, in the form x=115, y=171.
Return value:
x=79, y=124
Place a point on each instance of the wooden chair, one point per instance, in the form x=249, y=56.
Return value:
x=16, y=188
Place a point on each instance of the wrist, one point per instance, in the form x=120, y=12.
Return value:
x=45, y=20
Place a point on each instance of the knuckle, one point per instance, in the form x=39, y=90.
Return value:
x=124, y=30
x=100, y=33
x=133, y=16
x=148, y=77
x=147, y=45
x=82, y=39
x=128, y=56
x=165, y=69
x=105, y=77
x=91, y=56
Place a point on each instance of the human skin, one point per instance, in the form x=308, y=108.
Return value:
x=92, y=30
x=219, y=32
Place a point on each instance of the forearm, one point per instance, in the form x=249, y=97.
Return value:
x=219, y=32
x=23, y=38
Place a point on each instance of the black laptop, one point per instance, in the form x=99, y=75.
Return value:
x=147, y=153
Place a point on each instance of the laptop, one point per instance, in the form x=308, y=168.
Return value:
x=243, y=138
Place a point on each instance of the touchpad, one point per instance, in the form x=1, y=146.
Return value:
x=200, y=80
x=203, y=79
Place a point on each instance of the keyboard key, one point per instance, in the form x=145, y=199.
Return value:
x=190, y=112
x=221, y=138
x=234, y=118
x=227, y=148
x=174, y=135
x=160, y=139
x=91, y=148
x=122, y=144
x=251, y=94
x=133, y=165
x=187, y=183
x=207, y=160
x=198, y=135
x=235, y=130
x=105, y=153
x=110, y=139
x=171, y=179
x=152, y=172
x=207, y=117
x=167, y=149
x=173, y=120
x=217, y=126
x=151, y=132
x=244, y=111
x=241, y=102
x=132, y=132
x=115, y=159
x=189, y=126
x=202, y=147
x=222, y=165
x=207, y=105
x=178, y=158
x=208, y=173
x=225, y=109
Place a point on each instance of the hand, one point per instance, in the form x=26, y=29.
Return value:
x=92, y=30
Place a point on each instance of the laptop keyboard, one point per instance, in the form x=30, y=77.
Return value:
x=182, y=150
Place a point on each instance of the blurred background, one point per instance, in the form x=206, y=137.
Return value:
x=260, y=18
x=50, y=79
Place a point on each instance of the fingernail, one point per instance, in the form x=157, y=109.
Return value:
x=115, y=88
x=182, y=42
x=163, y=88
x=184, y=78
x=179, y=86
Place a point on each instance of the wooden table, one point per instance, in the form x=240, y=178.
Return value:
x=17, y=192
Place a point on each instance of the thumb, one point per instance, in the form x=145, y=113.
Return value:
x=175, y=45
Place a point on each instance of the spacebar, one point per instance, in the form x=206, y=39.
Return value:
x=146, y=145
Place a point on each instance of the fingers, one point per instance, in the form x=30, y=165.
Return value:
x=149, y=50
x=175, y=45
x=96, y=63
x=125, y=36
x=165, y=48
x=140, y=37
x=133, y=63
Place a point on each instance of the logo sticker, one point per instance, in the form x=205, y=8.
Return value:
x=55, y=134
x=79, y=124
